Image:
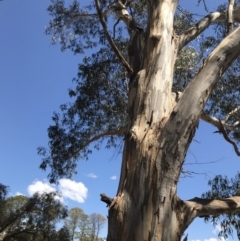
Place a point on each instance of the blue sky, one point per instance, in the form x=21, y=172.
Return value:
x=35, y=77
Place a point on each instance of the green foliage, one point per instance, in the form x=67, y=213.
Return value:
x=100, y=98
x=189, y=57
x=223, y=187
x=99, y=107
x=3, y=191
x=83, y=227
x=96, y=222
x=76, y=219
x=35, y=219
x=23, y=218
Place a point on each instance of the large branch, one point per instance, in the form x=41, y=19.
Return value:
x=110, y=40
x=204, y=23
x=205, y=207
x=200, y=88
x=186, y=114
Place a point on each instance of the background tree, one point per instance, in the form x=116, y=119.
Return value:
x=77, y=224
x=63, y=234
x=96, y=223
x=148, y=83
x=84, y=227
x=3, y=191
x=57, y=235
x=23, y=218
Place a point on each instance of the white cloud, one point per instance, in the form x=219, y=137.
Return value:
x=40, y=187
x=19, y=194
x=113, y=177
x=223, y=239
x=73, y=190
x=92, y=175
x=211, y=239
x=217, y=229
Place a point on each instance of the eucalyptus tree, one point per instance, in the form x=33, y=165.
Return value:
x=34, y=218
x=147, y=79
x=96, y=223
x=77, y=224
x=3, y=191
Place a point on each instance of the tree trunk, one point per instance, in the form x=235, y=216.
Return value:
x=146, y=206
x=146, y=202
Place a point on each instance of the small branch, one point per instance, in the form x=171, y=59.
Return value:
x=230, y=16
x=204, y=23
x=89, y=15
x=202, y=163
x=106, y=108
x=205, y=207
x=187, y=173
x=226, y=137
x=185, y=238
x=114, y=27
x=221, y=127
x=107, y=133
x=106, y=199
x=215, y=121
x=110, y=40
x=231, y=113
x=95, y=138
x=204, y=3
